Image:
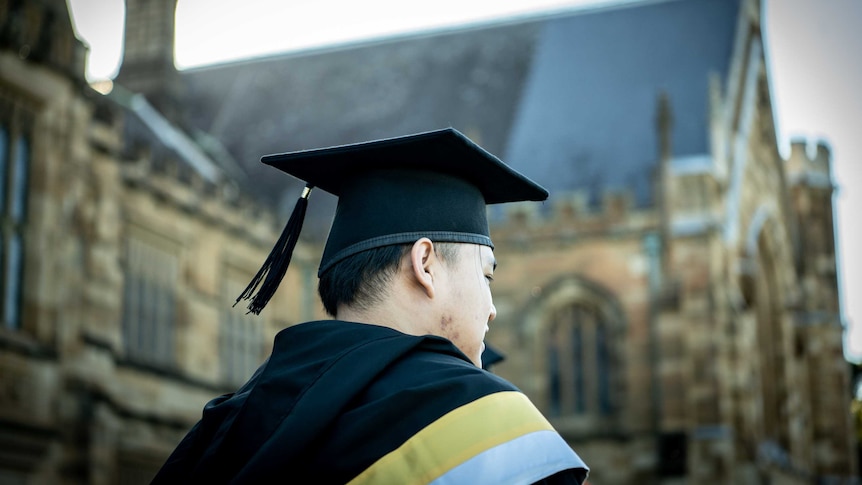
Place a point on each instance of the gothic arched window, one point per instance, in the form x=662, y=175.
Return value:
x=578, y=362
x=577, y=329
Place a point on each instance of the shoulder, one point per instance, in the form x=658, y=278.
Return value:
x=466, y=426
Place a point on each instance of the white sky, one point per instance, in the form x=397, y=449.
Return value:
x=813, y=46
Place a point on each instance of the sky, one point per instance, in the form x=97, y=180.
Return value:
x=813, y=54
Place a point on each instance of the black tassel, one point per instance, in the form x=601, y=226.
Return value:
x=275, y=266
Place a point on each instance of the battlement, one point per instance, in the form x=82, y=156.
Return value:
x=569, y=215
x=805, y=168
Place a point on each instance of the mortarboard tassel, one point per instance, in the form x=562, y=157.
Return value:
x=275, y=266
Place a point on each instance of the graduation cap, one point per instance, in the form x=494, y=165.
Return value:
x=434, y=184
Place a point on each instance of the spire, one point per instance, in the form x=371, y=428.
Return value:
x=664, y=129
x=664, y=124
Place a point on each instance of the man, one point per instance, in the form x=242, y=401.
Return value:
x=391, y=390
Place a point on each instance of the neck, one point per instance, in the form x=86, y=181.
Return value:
x=398, y=311
x=375, y=316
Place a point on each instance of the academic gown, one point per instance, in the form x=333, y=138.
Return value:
x=341, y=402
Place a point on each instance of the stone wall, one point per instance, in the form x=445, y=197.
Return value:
x=75, y=405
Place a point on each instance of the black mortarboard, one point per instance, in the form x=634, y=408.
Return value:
x=394, y=191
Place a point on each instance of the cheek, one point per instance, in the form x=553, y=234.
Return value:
x=487, y=301
x=479, y=306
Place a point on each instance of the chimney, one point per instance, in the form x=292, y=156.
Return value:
x=148, y=55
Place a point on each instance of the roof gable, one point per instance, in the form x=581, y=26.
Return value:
x=587, y=117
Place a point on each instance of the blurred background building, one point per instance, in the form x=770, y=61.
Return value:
x=673, y=308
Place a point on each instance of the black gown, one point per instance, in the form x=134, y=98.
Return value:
x=341, y=402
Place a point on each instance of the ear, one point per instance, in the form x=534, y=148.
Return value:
x=423, y=262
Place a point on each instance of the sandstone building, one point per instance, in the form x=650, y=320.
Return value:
x=672, y=308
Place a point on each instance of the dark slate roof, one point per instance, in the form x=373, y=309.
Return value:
x=469, y=79
x=567, y=98
x=587, y=119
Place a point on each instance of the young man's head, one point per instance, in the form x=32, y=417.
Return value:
x=395, y=197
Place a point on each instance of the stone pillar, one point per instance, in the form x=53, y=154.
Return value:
x=819, y=317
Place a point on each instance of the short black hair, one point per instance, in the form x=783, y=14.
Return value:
x=360, y=280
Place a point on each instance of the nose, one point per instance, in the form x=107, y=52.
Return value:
x=493, y=313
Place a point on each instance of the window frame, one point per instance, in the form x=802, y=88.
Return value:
x=242, y=343
x=150, y=300
x=16, y=160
